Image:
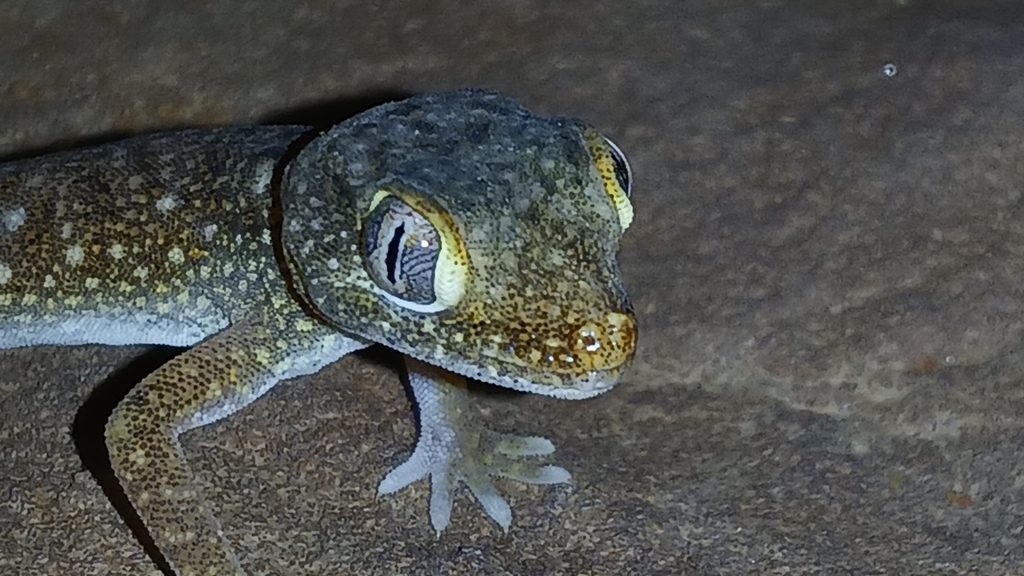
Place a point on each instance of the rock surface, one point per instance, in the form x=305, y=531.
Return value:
x=826, y=263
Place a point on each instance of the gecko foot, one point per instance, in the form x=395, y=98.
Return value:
x=454, y=446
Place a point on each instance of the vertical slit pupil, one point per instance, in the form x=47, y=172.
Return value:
x=394, y=244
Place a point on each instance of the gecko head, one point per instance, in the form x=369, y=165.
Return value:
x=464, y=231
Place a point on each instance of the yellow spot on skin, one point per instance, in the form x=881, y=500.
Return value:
x=262, y=356
x=196, y=253
x=92, y=283
x=138, y=457
x=29, y=299
x=141, y=272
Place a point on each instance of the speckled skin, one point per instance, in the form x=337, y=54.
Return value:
x=244, y=243
x=535, y=218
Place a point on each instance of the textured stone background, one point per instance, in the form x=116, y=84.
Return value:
x=826, y=262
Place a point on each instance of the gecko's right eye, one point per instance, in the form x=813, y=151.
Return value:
x=413, y=253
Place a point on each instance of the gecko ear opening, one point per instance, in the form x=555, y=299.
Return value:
x=413, y=252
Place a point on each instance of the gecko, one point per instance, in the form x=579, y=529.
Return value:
x=477, y=239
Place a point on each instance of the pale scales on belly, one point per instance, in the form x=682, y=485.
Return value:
x=459, y=229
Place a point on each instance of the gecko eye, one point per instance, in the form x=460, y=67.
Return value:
x=615, y=173
x=412, y=253
x=623, y=173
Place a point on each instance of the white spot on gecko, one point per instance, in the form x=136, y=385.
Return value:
x=13, y=219
x=116, y=251
x=175, y=255
x=209, y=231
x=49, y=282
x=141, y=273
x=5, y=273
x=92, y=282
x=65, y=230
x=74, y=256
x=264, y=172
x=167, y=203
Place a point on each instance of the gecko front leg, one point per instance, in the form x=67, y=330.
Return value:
x=208, y=382
x=454, y=446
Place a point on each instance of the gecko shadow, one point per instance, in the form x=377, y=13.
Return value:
x=319, y=116
x=87, y=429
x=87, y=432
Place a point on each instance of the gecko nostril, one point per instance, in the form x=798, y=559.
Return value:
x=608, y=343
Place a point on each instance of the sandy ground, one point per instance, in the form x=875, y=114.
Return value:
x=826, y=264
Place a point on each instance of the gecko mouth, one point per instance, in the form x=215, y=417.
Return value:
x=589, y=359
x=578, y=387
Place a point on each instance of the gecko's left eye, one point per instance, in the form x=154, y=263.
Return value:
x=616, y=176
x=623, y=173
x=413, y=253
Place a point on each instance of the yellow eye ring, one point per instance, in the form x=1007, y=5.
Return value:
x=615, y=172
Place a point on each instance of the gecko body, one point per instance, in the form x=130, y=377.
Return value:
x=465, y=232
